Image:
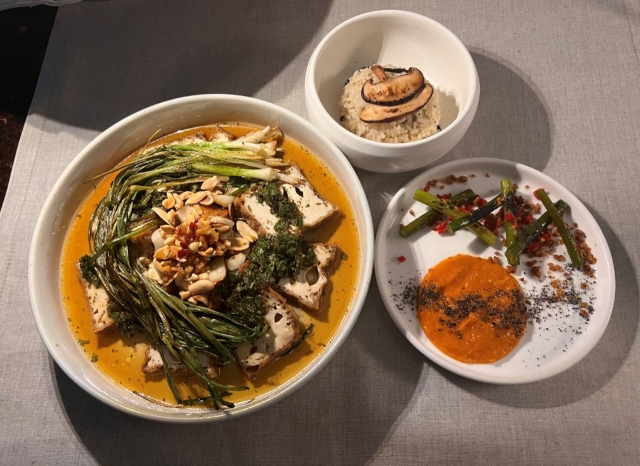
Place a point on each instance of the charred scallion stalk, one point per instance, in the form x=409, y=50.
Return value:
x=562, y=228
x=447, y=209
x=509, y=209
x=531, y=233
x=478, y=214
x=460, y=199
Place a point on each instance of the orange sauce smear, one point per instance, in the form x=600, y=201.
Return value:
x=472, y=309
x=120, y=357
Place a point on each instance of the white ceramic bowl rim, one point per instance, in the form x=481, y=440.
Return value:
x=374, y=14
x=293, y=384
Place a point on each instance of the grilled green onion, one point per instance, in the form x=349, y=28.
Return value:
x=562, y=228
x=463, y=198
x=445, y=208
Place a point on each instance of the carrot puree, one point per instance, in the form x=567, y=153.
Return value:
x=472, y=309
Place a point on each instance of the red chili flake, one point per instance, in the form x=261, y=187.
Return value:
x=509, y=217
x=444, y=196
x=401, y=259
x=441, y=228
x=482, y=202
x=193, y=226
x=182, y=253
x=535, y=194
x=528, y=219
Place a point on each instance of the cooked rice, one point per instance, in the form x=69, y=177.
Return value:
x=414, y=127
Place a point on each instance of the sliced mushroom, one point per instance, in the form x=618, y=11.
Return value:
x=394, y=90
x=379, y=73
x=382, y=114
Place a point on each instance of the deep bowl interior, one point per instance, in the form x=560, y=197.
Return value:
x=401, y=39
x=104, y=153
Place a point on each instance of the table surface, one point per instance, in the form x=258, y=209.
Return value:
x=24, y=33
x=559, y=93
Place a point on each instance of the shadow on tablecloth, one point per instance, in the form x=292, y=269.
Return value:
x=513, y=121
x=180, y=48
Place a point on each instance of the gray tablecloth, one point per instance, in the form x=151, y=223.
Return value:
x=559, y=93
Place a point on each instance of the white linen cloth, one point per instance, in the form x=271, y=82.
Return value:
x=559, y=93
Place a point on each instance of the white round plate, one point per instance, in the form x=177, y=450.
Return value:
x=558, y=338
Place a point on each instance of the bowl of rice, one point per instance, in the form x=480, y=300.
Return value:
x=397, y=41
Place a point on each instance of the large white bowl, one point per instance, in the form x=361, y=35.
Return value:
x=105, y=152
x=402, y=39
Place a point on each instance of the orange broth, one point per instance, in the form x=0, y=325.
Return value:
x=472, y=309
x=121, y=357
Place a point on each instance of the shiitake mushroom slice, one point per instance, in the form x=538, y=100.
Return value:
x=385, y=114
x=392, y=90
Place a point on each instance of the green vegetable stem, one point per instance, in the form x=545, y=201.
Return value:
x=476, y=215
x=446, y=208
x=531, y=233
x=460, y=199
x=562, y=228
x=509, y=209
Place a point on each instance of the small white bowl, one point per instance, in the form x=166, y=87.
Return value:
x=401, y=39
x=102, y=154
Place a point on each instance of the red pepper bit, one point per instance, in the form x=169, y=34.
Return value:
x=509, y=217
x=441, y=228
x=401, y=259
x=182, y=253
x=535, y=194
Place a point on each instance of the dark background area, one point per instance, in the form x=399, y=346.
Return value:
x=24, y=34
